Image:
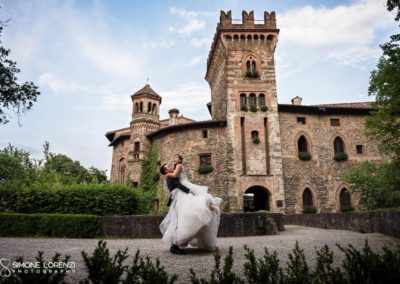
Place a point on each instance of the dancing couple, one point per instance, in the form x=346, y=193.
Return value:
x=194, y=214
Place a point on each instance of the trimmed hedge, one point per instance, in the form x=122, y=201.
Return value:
x=98, y=199
x=49, y=225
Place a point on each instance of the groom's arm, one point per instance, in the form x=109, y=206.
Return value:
x=177, y=184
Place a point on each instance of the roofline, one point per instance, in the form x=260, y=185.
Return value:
x=119, y=138
x=187, y=126
x=323, y=109
x=110, y=134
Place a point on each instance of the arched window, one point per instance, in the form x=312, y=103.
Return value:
x=243, y=100
x=338, y=145
x=261, y=100
x=121, y=171
x=141, y=107
x=154, y=109
x=136, y=107
x=253, y=66
x=344, y=199
x=302, y=144
x=307, y=198
x=254, y=134
x=252, y=100
x=149, y=107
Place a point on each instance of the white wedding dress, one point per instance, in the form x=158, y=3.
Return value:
x=190, y=219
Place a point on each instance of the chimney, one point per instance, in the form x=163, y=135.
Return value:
x=173, y=116
x=296, y=101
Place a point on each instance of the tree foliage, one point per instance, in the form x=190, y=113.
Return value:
x=377, y=185
x=17, y=168
x=14, y=96
x=384, y=123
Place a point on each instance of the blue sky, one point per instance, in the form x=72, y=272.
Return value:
x=88, y=57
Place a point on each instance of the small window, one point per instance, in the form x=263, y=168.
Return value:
x=254, y=134
x=301, y=120
x=261, y=100
x=307, y=198
x=136, y=148
x=338, y=145
x=149, y=107
x=335, y=122
x=302, y=144
x=360, y=149
x=252, y=100
x=135, y=184
x=205, y=160
x=243, y=100
x=205, y=133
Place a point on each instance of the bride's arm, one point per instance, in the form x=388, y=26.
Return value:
x=176, y=172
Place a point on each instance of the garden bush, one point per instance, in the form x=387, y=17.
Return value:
x=98, y=199
x=358, y=266
x=49, y=225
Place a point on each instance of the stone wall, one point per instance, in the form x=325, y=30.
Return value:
x=120, y=152
x=322, y=175
x=232, y=225
x=384, y=222
x=190, y=144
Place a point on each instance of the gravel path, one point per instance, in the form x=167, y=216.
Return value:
x=203, y=262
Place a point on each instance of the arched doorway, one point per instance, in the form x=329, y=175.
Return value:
x=256, y=198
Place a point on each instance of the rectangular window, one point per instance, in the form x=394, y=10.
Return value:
x=205, y=133
x=335, y=122
x=360, y=149
x=205, y=160
x=136, y=147
x=301, y=120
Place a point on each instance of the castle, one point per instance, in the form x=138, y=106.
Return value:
x=254, y=153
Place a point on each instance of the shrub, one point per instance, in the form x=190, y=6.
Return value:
x=256, y=140
x=205, y=169
x=263, y=108
x=253, y=108
x=243, y=108
x=304, y=156
x=309, y=209
x=50, y=225
x=254, y=74
x=102, y=268
x=340, y=156
x=98, y=199
x=218, y=275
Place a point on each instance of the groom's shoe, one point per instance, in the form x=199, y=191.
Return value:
x=176, y=250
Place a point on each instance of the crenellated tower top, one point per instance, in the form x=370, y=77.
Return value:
x=249, y=30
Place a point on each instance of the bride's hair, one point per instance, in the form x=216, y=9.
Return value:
x=180, y=157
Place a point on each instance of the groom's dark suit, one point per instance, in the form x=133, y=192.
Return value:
x=173, y=183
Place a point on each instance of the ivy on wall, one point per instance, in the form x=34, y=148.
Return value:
x=149, y=181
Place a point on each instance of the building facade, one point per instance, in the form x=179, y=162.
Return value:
x=254, y=153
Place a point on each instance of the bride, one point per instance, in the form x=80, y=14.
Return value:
x=192, y=218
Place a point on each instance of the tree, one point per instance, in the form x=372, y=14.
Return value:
x=384, y=123
x=16, y=97
x=16, y=167
x=378, y=185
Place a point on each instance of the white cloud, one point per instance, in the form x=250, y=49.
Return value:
x=163, y=43
x=194, y=21
x=199, y=42
x=59, y=86
x=190, y=98
x=344, y=33
x=196, y=60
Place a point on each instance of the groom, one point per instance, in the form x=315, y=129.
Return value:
x=172, y=184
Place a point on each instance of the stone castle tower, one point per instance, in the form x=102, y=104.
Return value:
x=241, y=75
x=145, y=118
